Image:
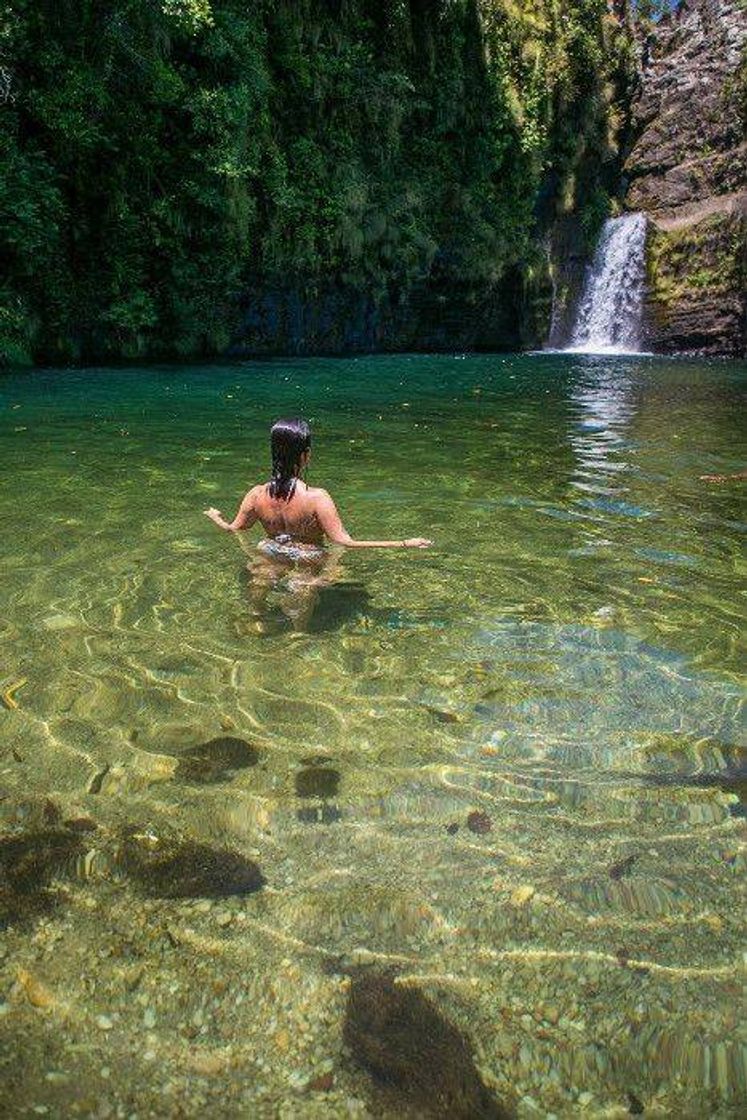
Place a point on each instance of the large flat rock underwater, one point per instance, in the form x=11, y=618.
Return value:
x=597, y=692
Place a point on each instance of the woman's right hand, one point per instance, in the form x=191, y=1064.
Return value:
x=417, y=542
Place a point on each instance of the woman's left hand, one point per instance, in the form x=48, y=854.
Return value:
x=214, y=514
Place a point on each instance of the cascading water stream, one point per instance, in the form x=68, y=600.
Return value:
x=609, y=315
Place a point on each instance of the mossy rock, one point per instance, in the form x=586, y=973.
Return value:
x=695, y=286
x=697, y=257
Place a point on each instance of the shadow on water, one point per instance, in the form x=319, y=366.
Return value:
x=337, y=605
x=332, y=607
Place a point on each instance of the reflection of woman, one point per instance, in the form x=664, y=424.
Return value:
x=296, y=517
x=294, y=585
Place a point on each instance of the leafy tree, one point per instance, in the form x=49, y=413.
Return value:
x=159, y=158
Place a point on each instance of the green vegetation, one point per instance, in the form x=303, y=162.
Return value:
x=715, y=242
x=160, y=157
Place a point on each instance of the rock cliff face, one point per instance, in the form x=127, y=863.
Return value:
x=687, y=172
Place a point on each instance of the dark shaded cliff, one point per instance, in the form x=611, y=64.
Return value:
x=182, y=178
x=687, y=172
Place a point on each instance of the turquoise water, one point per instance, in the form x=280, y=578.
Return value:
x=562, y=669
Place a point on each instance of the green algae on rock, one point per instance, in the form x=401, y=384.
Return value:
x=405, y=1041
x=168, y=866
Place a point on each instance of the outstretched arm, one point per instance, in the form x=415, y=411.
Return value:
x=245, y=517
x=329, y=519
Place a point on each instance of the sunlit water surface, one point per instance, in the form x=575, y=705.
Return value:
x=564, y=663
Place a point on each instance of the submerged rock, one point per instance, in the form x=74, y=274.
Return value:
x=36, y=992
x=441, y=715
x=322, y=1083
x=317, y=781
x=169, y=867
x=215, y=760
x=28, y=863
x=81, y=824
x=402, y=1038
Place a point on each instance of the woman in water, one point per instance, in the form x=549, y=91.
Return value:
x=296, y=517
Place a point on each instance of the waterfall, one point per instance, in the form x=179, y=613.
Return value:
x=611, y=307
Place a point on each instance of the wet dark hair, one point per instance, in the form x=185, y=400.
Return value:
x=289, y=439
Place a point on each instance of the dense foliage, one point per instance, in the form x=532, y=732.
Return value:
x=159, y=156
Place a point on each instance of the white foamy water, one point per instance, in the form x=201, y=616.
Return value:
x=610, y=312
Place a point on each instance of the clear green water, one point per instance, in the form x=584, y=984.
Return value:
x=566, y=660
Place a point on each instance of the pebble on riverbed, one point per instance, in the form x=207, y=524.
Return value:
x=167, y=866
x=37, y=993
x=322, y=1083
x=402, y=1038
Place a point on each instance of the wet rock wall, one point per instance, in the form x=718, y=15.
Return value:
x=686, y=171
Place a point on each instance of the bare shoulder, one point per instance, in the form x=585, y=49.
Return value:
x=319, y=495
x=251, y=495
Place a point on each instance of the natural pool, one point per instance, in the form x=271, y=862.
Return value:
x=510, y=769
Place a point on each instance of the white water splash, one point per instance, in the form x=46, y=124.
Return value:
x=609, y=315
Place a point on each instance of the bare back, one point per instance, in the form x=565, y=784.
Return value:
x=297, y=517
x=306, y=519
